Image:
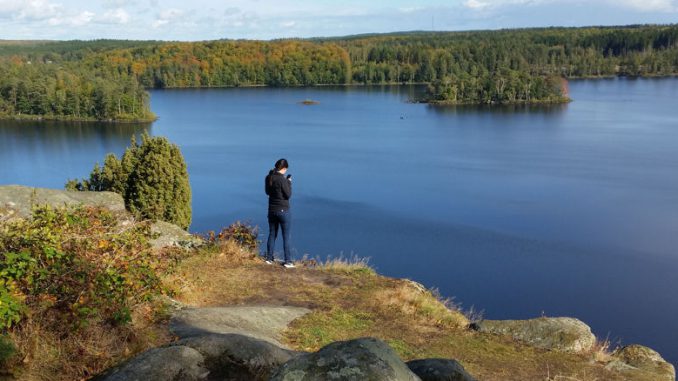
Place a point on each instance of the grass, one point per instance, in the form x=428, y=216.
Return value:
x=41, y=354
x=348, y=300
x=346, y=265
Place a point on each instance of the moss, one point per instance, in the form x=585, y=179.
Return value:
x=318, y=329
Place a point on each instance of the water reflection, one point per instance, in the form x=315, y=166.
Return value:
x=48, y=153
x=454, y=110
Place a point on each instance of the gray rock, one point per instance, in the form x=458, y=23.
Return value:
x=263, y=323
x=178, y=363
x=237, y=357
x=21, y=199
x=364, y=359
x=17, y=201
x=439, y=370
x=170, y=235
x=563, y=334
x=644, y=358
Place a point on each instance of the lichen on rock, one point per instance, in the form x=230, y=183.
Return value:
x=562, y=333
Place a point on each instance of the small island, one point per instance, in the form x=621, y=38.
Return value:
x=309, y=102
x=507, y=87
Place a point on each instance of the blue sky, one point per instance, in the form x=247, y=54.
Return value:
x=266, y=19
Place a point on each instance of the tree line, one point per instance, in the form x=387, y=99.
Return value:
x=105, y=79
x=54, y=91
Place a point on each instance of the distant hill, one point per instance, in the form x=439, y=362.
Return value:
x=104, y=79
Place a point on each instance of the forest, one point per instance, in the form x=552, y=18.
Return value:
x=107, y=79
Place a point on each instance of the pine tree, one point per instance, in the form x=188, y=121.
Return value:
x=152, y=178
x=158, y=187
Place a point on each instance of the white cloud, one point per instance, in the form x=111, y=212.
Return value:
x=213, y=19
x=116, y=16
x=80, y=19
x=410, y=9
x=651, y=5
x=29, y=10
x=117, y=3
x=166, y=16
x=641, y=5
x=483, y=4
x=476, y=4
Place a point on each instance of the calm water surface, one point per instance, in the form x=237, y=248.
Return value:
x=568, y=210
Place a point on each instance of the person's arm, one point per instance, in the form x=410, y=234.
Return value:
x=287, y=188
x=266, y=187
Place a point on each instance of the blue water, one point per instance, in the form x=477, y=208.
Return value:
x=564, y=210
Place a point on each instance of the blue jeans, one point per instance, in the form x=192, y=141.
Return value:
x=283, y=220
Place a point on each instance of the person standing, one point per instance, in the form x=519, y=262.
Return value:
x=278, y=187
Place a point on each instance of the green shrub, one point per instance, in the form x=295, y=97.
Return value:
x=74, y=266
x=152, y=178
x=11, y=307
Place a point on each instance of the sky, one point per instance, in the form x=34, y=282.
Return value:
x=268, y=19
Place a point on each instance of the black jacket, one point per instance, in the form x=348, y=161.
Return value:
x=279, y=192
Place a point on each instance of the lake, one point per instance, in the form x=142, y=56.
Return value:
x=521, y=212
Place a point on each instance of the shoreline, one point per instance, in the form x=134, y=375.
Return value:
x=55, y=118
x=47, y=118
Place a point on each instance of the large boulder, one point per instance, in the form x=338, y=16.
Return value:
x=170, y=235
x=238, y=357
x=364, y=359
x=439, y=370
x=19, y=200
x=636, y=356
x=562, y=334
x=178, y=363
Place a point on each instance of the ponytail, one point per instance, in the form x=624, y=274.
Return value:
x=269, y=178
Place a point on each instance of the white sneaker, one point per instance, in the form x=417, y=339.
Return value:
x=269, y=262
x=289, y=265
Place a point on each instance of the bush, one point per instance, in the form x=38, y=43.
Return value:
x=72, y=267
x=243, y=234
x=152, y=178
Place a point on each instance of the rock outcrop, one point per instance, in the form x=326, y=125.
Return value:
x=562, y=334
x=17, y=201
x=263, y=323
x=439, y=370
x=638, y=357
x=208, y=358
x=361, y=359
x=177, y=363
x=171, y=235
x=238, y=357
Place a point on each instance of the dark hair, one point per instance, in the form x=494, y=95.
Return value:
x=280, y=164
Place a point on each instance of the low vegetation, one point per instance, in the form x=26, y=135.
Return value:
x=77, y=292
x=83, y=291
x=152, y=178
x=348, y=300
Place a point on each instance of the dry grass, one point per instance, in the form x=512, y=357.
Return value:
x=419, y=305
x=349, y=300
x=345, y=265
x=43, y=355
x=601, y=352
